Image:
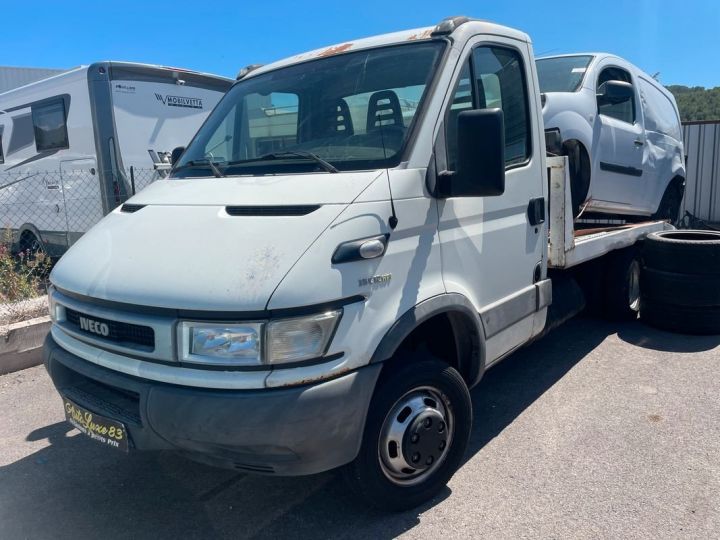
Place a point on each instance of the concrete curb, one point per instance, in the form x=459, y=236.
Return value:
x=21, y=344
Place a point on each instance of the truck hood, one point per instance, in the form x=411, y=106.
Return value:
x=316, y=188
x=183, y=250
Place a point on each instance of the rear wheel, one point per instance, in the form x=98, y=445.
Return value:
x=669, y=208
x=622, y=285
x=415, y=435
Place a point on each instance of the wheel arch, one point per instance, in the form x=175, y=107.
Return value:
x=451, y=311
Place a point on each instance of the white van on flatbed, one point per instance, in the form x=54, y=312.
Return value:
x=68, y=144
x=621, y=131
x=353, y=237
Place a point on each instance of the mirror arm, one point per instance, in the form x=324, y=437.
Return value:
x=444, y=184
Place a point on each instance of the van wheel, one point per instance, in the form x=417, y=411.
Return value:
x=621, y=285
x=415, y=436
x=669, y=208
x=579, y=164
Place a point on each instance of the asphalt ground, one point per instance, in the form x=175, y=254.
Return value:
x=596, y=431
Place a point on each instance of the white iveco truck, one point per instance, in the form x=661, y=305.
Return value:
x=68, y=143
x=365, y=230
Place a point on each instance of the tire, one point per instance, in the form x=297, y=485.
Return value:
x=30, y=245
x=669, y=207
x=681, y=289
x=579, y=165
x=683, y=252
x=681, y=319
x=407, y=397
x=622, y=285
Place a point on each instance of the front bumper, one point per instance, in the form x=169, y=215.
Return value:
x=287, y=431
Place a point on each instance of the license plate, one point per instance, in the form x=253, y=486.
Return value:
x=99, y=428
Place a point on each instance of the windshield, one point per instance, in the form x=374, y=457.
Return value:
x=562, y=73
x=353, y=111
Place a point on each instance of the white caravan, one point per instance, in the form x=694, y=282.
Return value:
x=620, y=129
x=364, y=232
x=68, y=144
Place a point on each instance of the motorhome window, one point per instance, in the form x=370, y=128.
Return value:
x=562, y=73
x=624, y=111
x=355, y=110
x=50, y=124
x=500, y=83
x=2, y=156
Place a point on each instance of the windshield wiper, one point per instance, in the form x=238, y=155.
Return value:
x=217, y=173
x=329, y=167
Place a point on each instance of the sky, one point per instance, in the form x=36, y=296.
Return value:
x=678, y=39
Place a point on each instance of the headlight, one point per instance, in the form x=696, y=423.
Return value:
x=53, y=307
x=220, y=343
x=293, y=340
x=254, y=343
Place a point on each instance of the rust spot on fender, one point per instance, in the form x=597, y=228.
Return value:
x=335, y=50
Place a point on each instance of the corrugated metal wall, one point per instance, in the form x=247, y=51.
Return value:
x=14, y=77
x=702, y=191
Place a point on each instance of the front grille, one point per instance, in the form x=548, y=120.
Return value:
x=119, y=332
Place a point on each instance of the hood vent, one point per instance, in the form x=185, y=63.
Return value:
x=271, y=210
x=130, y=208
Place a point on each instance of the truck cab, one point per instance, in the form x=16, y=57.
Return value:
x=350, y=240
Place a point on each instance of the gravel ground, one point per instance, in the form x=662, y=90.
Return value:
x=597, y=431
x=23, y=310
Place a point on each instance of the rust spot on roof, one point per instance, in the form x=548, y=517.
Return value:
x=422, y=35
x=336, y=49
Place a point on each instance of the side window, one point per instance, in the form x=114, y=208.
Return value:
x=2, y=156
x=462, y=101
x=50, y=125
x=499, y=82
x=621, y=111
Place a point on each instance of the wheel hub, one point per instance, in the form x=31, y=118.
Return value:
x=425, y=439
x=415, y=436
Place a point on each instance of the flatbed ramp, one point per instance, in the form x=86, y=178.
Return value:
x=568, y=247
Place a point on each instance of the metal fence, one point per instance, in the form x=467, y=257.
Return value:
x=702, y=190
x=57, y=206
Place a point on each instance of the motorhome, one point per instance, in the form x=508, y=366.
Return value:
x=75, y=145
x=366, y=229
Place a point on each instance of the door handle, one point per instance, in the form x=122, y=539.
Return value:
x=638, y=142
x=536, y=211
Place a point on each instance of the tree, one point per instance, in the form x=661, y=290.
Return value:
x=697, y=103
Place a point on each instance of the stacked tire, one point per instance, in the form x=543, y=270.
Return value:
x=681, y=281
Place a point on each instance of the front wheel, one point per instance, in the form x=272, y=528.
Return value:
x=415, y=436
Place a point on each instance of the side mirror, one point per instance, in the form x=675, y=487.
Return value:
x=175, y=155
x=614, y=92
x=480, y=154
